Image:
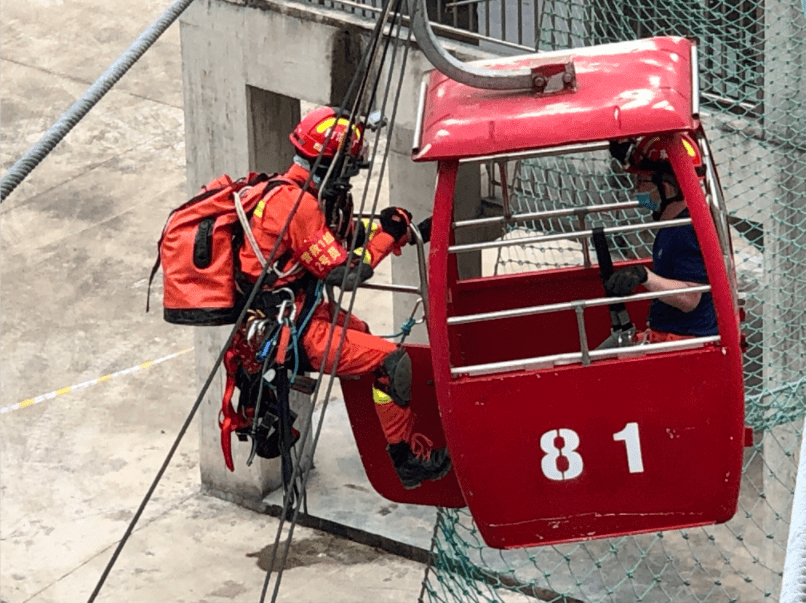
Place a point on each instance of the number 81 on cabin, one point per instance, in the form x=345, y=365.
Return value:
x=562, y=461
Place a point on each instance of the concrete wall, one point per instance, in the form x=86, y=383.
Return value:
x=245, y=70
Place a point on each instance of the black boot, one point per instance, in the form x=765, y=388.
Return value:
x=414, y=470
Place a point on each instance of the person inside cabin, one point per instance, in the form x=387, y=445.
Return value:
x=315, y=247
x=677, y=261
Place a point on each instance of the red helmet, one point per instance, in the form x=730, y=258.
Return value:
x=651, y=154
x=311, y=134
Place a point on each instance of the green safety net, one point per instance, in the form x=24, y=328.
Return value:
x=751, y=56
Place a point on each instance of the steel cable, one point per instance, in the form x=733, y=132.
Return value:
x=56, y=133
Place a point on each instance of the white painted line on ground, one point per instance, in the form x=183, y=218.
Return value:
x=72, y=388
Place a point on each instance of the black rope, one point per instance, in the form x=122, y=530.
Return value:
x=332, y=375
x=619, y=317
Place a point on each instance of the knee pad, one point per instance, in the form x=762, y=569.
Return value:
x=397, y=366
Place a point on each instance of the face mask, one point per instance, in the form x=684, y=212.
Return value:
x=645, y=200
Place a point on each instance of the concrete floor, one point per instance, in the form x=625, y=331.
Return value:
x=78, y=241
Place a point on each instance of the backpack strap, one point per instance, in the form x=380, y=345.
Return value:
x=273, y=182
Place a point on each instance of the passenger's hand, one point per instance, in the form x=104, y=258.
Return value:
x=395, y=222
x=623, y=282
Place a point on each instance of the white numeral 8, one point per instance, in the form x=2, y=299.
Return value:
x=570, y=444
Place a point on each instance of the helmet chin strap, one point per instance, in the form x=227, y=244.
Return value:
x=335, y=192
x=658, y=179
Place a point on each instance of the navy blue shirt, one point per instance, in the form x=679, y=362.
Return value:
x=676, y=255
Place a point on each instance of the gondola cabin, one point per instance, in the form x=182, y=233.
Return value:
x=552, y=439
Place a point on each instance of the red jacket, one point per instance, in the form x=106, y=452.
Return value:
x=313, y=246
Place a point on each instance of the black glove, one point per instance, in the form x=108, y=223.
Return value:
x=355, y=276
x=425, y=231
x=623, y=282
x=395, y=221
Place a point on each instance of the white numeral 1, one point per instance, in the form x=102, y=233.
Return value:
x=629, y=435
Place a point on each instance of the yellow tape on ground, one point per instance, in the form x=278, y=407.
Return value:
x=72, y=388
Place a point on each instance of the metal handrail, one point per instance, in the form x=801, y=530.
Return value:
x=578, y=306
x=439, y=27
x=548, y=215
x=422, y=289
x=572, y=305
x=576, y=234
x=573, y=357
x=391, y=287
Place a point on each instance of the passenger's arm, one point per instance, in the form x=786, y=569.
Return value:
x=625, y=281
x=685, y=301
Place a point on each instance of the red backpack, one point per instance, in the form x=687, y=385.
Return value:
x=198, y=251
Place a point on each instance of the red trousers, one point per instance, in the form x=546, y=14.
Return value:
x=361, y=353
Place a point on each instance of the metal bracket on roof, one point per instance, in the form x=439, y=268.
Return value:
x=553, y=77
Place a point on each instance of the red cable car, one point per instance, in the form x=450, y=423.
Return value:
x=553, y=440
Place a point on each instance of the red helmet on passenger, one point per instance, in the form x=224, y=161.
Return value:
x=651, y=154
x=311, y=135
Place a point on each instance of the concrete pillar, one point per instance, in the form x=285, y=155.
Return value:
x=231, y=127
x=268, y=118
x=411, y=185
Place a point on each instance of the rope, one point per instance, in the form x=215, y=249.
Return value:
x=363, y=68
x=405, y=330
x=303, y=436
x=26, y=164
x=303, y=325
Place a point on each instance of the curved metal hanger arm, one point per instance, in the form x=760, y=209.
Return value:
x=470, y=75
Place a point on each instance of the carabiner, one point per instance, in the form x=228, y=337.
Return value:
x=286, y=303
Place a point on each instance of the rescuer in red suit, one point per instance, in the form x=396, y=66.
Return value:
x=317, y=244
